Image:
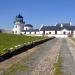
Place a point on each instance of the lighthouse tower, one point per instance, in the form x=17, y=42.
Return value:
x=18, y=24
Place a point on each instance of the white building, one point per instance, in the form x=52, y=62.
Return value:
x=59, y=30
x=19, y=25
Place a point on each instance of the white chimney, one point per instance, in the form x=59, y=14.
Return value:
x=70, y=23
x=61, y=25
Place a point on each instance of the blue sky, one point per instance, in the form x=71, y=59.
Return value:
x=36, y=12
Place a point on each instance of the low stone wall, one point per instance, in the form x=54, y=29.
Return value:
x=23, y=48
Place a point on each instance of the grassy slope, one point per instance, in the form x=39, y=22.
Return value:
x=9, y=40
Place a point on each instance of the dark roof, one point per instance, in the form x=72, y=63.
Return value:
x=64, y=24
x=57, y=28
x=19, y=16
x=34, y=30
x=28, y=25
x=48, y=28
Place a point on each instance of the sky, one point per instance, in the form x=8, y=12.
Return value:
x=36, y=12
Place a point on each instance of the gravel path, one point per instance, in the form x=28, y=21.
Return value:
x=46, y=65
x=67, y=49
x=39, y=59
x=71, y=45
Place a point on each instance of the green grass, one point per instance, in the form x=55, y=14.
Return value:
x=9, y=40
x=73, y=39
x=58, y=67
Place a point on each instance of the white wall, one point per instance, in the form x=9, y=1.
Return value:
x=73, y=32
x=52, y=32
x=59, y=32
x=23, y=32
x=40, y=32
x=28, y=28
x=33, y=33
x=37, y=32
x=27, y=32
x=61, y=36
x=64, y=30
x=18, y=28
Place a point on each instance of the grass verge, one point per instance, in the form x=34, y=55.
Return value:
x=58, y=66
x=10, y=41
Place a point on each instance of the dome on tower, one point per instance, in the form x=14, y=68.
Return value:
x=19, y=16
x=19, y=19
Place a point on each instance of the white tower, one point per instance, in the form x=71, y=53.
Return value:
x=19, y=24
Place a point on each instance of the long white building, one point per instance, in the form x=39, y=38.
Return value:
x=59, y=30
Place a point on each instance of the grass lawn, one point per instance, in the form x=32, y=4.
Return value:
x=10, y=40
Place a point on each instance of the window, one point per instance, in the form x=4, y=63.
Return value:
x=30, y=32
x=49, y=32
x=46, y=33
x=25, y=33
x=35, y=32
x=55, y=31
x=13, y=32
x=26, y=28
x=72, y=32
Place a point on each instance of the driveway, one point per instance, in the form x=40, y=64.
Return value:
x=68, y=64
x=40, y=59
x=36, y=61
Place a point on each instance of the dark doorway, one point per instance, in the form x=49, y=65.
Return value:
x=64, y=32
x=72, y=32
x=55, y=31
x=49, y=32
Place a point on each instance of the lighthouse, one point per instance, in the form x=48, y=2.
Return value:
x=18, y=24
